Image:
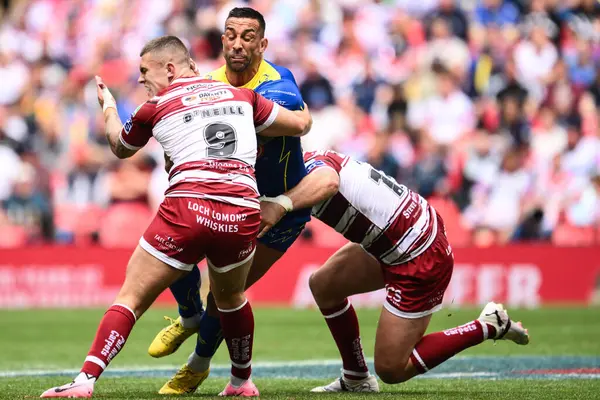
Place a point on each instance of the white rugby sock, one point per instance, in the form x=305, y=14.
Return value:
x=197, y=363
x=191, y=322
x=237, y=382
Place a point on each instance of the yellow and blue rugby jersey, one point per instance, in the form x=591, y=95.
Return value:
x=279, y=166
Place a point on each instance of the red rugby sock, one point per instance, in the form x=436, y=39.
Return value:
x=435, y=348
x=238, y=330
x=110, y=338
x=343, y=324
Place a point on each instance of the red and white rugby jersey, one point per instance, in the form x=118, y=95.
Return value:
x=390, y=221
x=208, y=130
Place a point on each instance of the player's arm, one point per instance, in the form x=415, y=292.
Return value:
x=270, y=119
x=137, y=134
x=320, y=184
x=289, y=123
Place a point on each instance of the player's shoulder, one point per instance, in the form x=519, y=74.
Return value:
x=217, y=75
x=145, y=111
x=283, y=92
x=283, y=72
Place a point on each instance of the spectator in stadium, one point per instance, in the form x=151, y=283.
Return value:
x=584, y=210
x=397, y=241
x=496, y=12
x=28, y=207
x=380, y=157
x=535, y=58
x=430, y=170
x=513, y=123
x=454, y=116
x=316, y=89
x=505, y=198
x=582, y=71
x=365, y=89
x=510, y=85
x=582, y=155
x=548, y=139
x=449, y=11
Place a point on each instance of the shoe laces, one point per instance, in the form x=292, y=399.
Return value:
x=174, y=325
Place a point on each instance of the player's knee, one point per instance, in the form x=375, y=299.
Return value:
x=316, y=287
x=391, y=373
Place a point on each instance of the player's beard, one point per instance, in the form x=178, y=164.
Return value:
x=237, y=65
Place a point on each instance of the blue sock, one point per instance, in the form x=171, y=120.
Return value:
x=187, y=294
x=210, y=336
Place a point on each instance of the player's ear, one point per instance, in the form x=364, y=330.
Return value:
x=170, y=71
x=264, y=42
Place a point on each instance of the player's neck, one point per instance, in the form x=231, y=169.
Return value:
x=185, y=74
x=238, y=79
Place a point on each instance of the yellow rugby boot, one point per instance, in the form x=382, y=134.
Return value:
x=185, y=381
x=168, y=340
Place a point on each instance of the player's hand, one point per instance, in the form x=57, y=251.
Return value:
x=105, y=98
x=270, y=214
x=194, y=67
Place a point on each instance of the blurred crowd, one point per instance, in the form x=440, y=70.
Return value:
x=489, y=108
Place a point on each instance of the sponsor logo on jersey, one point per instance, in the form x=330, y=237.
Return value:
x=264, y=78
x=197, y=86
x=128, y=125
x=206, y=97
x=314, y=164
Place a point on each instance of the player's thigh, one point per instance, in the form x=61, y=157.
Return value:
x=228, y=287
x=349, y=271
x=231, y=249
x=168, y=249
x=395, y=339
x=146, y=278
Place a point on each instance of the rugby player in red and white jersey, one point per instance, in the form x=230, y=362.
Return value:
x=211, y=209
x=397, y=241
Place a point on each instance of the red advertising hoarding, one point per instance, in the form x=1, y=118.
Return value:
x=520, y=275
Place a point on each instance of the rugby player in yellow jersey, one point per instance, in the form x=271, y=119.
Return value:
x=279, y=168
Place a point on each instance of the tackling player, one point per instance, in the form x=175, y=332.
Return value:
x=279, y=167
x=211, y=209
x=398, y=242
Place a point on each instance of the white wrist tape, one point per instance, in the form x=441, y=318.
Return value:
x=109, y=100
x=282, y=200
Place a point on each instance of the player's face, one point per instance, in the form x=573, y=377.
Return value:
x=242, y=43
x=154, y=75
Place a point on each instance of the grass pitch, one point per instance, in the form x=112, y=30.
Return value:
x=291, y=352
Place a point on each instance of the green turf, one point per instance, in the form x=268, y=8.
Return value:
x=49, y=339
x=292, y=389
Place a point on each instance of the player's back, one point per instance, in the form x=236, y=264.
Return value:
x=370, y=208
x=207, y=129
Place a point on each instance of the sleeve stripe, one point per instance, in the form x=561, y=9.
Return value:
x=127, y=145
x=269, y=120
x=324, y=166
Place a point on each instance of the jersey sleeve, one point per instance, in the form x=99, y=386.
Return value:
x=315, y=160
x=265, y=111
x=137, y=130
x=283, y=92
